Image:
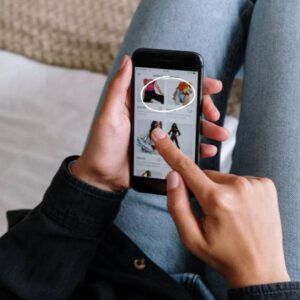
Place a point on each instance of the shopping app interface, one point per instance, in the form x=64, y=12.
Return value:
x=163, y=94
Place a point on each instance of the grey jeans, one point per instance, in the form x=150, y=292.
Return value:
x=265, y=36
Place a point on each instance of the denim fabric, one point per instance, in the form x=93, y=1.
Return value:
x=68, y=248
x=194, y=284
x=266, y=36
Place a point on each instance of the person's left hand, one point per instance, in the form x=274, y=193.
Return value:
x=104, y=162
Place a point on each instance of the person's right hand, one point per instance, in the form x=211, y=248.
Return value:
x=240, y=234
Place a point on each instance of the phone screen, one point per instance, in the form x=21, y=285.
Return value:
x=167, y=103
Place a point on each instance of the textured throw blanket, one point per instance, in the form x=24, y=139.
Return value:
x=80, y=34
x=83, y=34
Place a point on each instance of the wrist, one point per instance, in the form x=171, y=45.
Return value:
x=257, y=277
x=86, y=174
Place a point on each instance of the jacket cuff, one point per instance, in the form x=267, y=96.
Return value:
x=281, y=290
x=79, y=206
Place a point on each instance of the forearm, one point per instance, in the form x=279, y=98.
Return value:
x=46, y=255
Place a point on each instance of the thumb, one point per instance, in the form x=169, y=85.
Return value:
x=119, y=86
x=179, y=206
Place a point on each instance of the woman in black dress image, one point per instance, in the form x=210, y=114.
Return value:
x=174, y=133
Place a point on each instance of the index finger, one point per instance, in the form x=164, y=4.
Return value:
x=197, y=181
x=211, y=86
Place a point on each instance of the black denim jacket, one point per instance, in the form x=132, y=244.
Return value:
x=68, y=248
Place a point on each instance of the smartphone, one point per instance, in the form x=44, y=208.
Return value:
x=166, y=92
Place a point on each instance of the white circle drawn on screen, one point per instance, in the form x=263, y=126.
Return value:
x=168, y=78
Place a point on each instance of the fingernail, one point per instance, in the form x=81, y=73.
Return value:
x=227, y=133
x=216, y=112
x=172, y=180
x=220, y=83
x=124, y=62
x=158, y=133
x=214, y=150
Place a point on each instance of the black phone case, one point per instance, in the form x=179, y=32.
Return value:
x=163, y=59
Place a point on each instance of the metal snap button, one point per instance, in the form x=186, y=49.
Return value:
x=139, y=263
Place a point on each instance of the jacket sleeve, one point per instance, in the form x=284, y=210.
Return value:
x=276, y=291
x=46, y=255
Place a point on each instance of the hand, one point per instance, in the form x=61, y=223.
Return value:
x=240, y=234
x=104, y=161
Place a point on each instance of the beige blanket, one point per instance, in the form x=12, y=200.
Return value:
x=82, y=34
